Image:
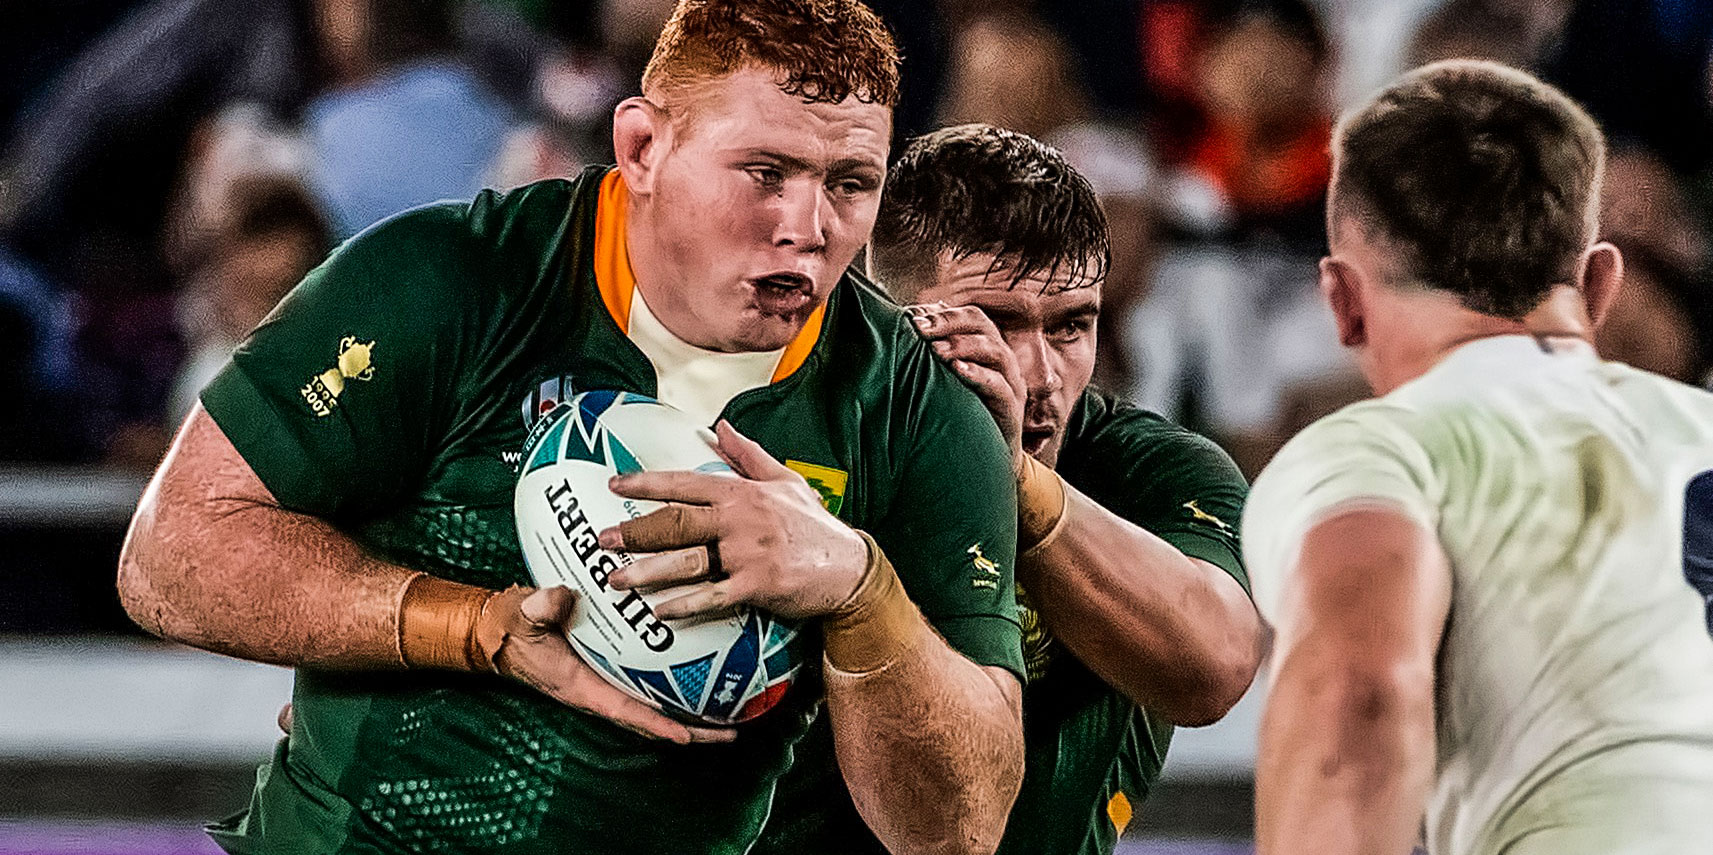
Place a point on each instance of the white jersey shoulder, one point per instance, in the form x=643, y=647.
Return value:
x=1576, y=673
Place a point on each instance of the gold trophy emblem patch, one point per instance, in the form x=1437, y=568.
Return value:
x=353, y=363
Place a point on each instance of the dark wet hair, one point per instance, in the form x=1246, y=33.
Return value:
x=976, y=188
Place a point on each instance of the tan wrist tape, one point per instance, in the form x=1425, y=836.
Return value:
x=877, y=626
x=1033, y=553
x=437, y=624
x=1041, y=503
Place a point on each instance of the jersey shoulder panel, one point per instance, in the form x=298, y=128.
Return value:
x=346, y=392
x=1368, y=451
x=1177, y=484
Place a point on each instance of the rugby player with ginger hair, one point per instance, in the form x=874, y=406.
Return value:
x=357, y=524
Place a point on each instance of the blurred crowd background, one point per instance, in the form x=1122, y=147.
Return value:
x=170, y=168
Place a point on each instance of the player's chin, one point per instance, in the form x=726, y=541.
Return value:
x=759, y=330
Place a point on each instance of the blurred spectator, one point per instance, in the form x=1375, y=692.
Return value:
x=1011, y=71
x=416, y=125
x=1520, y=33
x=1236, y=341
x=1233, y=337
x=1371, y=37
x=244, y=230
x=242, y=141
x=270, y=236
x=573, y=99
x=86, y=175
x=1662, y=319
x=1263, y=68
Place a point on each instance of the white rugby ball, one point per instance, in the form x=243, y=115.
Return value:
x=723, y=670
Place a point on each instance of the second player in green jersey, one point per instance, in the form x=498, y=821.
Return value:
x=1132, y=594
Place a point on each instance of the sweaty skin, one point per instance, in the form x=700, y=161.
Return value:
x=1175, y=634
x=203, y=564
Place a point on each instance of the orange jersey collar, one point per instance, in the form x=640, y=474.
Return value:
x=616, y=282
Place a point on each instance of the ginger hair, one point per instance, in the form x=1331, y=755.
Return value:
x=821, y=50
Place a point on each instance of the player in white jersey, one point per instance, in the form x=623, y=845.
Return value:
x=1489, y=585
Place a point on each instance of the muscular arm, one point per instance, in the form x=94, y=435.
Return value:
x=213, y=561
x=930, y=744
x=1176, y=634
x=1347, y=747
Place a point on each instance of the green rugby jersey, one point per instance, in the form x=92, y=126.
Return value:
x=389, y=394
x=1091, y=753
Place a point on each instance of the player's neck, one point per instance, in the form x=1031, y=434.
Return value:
x=1434, y=332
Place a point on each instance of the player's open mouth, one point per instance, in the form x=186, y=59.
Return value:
x=1036, y=439
x=783, y=293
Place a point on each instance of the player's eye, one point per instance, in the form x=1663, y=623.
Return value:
x=1071, y=330
x=769, y=177
x=850, y=188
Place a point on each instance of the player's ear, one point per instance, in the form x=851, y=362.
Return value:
x=641, y=134
x=1600, y=272
x=1341, y=284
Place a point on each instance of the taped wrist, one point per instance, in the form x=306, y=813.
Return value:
x=1041, y=504
x=438, y=623
x=877, y=626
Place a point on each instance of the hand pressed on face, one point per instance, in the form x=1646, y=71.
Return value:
x=969, y=341
x=1046, y=323
x=523, y=631
x=777, y=548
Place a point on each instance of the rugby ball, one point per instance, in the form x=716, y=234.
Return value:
x=720, y=670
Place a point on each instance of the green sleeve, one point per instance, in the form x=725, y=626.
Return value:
x=951, y=528
x=340, y=398
x=1176, y=484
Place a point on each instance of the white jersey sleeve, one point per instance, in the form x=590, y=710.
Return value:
x=1361, y=455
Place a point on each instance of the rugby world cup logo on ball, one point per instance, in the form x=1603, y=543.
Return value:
x=721, y=670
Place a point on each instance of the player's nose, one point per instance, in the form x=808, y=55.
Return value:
x=802, y=217
x=1035, y=362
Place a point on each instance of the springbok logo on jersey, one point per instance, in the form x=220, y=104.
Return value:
x=353, y=362
x=987, y=570
x=1204, y=516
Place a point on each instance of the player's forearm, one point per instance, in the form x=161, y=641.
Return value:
x=1176, y=635
x=931, y=749
x=1346, y=759
x=209, y=561
x=929, y=743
